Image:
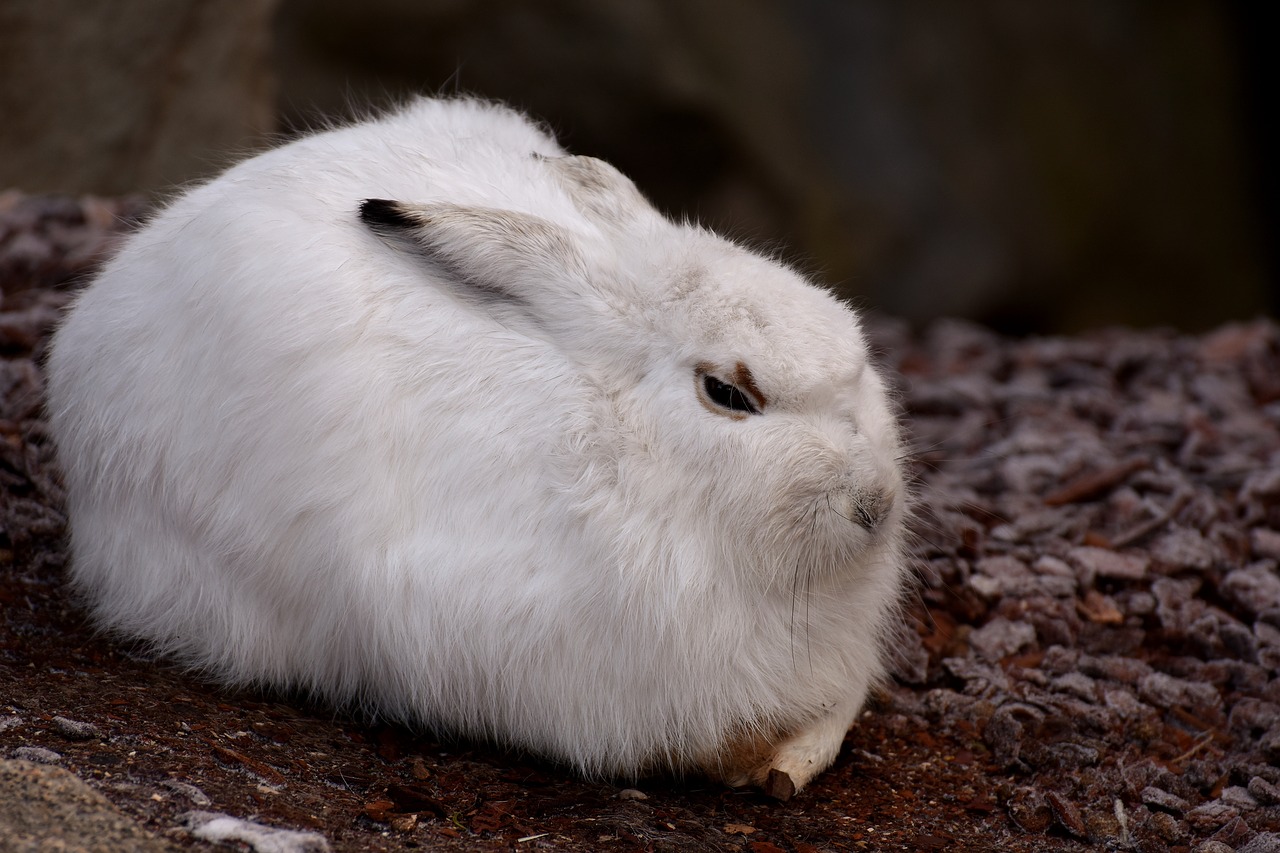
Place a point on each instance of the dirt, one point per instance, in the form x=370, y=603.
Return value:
x=1089, y=661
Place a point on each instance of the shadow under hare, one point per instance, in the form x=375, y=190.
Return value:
x=425, y=416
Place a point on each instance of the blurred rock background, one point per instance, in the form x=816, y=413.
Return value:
x=1039, y=167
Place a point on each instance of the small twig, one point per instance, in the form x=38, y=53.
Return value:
x=1151, y=526
x=1122, y=818
x=1096, y=483
x=1201, y=742
x=1205, y=728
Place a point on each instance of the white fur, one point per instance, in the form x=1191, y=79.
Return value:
x=470, y=482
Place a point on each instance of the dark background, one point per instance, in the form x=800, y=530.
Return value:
x=1045, y=166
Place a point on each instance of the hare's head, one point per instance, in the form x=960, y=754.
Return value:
x=730, y=397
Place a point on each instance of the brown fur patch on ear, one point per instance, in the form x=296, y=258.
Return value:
x=743, y=379
x=598, y=189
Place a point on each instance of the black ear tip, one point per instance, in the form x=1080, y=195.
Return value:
x=384, y=213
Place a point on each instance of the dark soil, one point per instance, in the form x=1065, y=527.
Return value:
x=1091, y=661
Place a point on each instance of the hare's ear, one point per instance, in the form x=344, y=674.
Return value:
x=598, y=189
x=502, y=253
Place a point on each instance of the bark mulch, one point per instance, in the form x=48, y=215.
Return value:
x=1089, y=662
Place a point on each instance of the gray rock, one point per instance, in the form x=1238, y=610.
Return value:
x=886, y=194
x=119, y=109
x=37, y=754
x=191, y=792
x=48, y=808
x=75, y=729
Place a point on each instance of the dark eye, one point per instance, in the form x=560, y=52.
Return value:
x=729, y=396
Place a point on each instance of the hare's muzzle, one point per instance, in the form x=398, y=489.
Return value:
x=867, y=508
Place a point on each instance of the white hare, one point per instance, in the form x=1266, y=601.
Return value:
x=426, y=416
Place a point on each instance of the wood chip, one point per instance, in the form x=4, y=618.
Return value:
x=1095, y=483
x=779, y=785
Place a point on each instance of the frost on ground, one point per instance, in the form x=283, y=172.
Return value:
x=1090, y=661
x=211, y=826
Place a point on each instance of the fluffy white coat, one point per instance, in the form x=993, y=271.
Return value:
x=466, y=472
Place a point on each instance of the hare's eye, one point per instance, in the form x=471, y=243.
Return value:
x=728, y=396
x=737, y=398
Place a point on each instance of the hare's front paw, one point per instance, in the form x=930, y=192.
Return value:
x=799, y=757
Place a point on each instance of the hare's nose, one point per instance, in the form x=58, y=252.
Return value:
x=868, y=508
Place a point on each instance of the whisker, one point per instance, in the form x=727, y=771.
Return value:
x=808, y=590
x=808, y=633
x=797, y=588
x=830, y=508
x=795, y=583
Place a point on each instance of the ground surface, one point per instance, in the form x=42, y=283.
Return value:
x=1091, y=663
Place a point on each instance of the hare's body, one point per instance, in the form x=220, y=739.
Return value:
x=468, y=458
